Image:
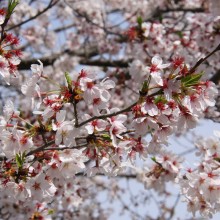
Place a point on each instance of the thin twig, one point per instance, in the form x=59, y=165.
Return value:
x=127, y=109
x=125, y=20
x=75, y=114
x=59, y=29
x=107, y=115
x=84, y=15
x=172, y=212
x=200, y=61
x=67, y=148
x=50, y=5
x=128, y=176
x=40, y=148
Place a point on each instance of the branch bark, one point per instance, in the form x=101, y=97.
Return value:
x=49, y=60
x=200, y=61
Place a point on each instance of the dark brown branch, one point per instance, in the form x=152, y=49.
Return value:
x=46, y=145
x=75, y=114
x=63, y=28
x=199, y=62
x=193, y=10
x=127, y=109
x=103, y=63
x=67, y=148
x=43, y=147
x=49, y=60
x=106, y=63
x=128, y=176
x=216, y=77
x=107, y=115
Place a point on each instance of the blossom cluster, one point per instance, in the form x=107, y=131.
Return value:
x=200, y=185
x=169, y=102
x=173, y=100
x=105, y=121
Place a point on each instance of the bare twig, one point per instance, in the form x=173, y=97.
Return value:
x=194, y=10
x=59, y=29
x=43, y=147
x=199, y=62
x=86, y=17
x=75, y=114
x=127, y=109
x=106, y=63
x=172, y=211
x=67, y=148
x=107, y=115
x=50, y=5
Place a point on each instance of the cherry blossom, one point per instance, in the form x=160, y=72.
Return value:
x=156, y=69
x=4, y=70
x=96, y=125
x=114, y=83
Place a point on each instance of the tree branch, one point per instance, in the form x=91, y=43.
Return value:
x=193, y=10
x=40, y=148
x=66, y=148
x=107, y=115
x=106, y=63
x=50, y=5
x=128, y=176
x=216, y=77
x=49, y=60
x=75, y=114
x=127, y=109
x=200, y=61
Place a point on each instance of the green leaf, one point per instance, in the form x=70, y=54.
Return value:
x=161, y=18
x=18, y=160
x=179, y=33
x=106, y=137
x=11, y=7
x=154, y=159
x=160, y=99
x=139, y=21
x=23, y=155
x=68, y=80
x=145, y=86
x=50, y=212
x=191, y=80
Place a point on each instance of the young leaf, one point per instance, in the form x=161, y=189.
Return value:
x=18, y=160
x=106, y=137
x=160, y=99
x=139, y=21
x=191, y=80
x=68, y=80
x=179, y=33
x=145, y=86
x=11, y=7
x=154, y=159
